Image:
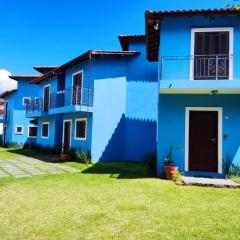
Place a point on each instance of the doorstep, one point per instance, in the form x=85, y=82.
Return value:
x=210, y=182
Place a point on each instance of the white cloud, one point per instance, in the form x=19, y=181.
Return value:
x=6, y=83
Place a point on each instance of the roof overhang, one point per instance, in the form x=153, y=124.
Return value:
x=126, y=39
x=87, y=55
x=24, y=77
x=153, y=21
x=44, y=69
x=4, y=94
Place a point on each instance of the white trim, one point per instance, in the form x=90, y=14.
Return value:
x=211, y=109
x=63, y=135
x=76, y=73
x=48, y=85
x=19, y=133
x=44, y=123
x=29, y=98
x=30, y=126
x=216, y=29
x=86, y=124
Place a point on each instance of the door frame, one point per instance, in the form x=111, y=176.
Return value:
x=63, y=135
x=4, y=134
x=49, y=97
x=74, y=74
x=199, y=109
x=214, y=29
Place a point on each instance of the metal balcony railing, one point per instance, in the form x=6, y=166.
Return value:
x=197, y=67
x=72, y=96
x=35, y=106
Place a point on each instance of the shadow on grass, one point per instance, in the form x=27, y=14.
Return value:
x=118, y=170
x=45, y=157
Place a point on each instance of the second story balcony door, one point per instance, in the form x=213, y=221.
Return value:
x=212, y=54
x=46, y=98
x=77, y=88
x=6, y=111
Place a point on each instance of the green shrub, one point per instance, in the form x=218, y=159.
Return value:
x=178, y=180
x=82, y=156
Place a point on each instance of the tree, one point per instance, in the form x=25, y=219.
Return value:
x=234, y=4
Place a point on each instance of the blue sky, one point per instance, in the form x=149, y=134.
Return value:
x=51, y=32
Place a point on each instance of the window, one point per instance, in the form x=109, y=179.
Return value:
x=212, y=51
x=45, y=130
x=77, y=88
x=46, y=98
x=81, y=129
x=26, y=101
x=19, y=130
x=32, y=131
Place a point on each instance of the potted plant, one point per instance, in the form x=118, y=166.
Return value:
x=171, y=171
x=65, y=153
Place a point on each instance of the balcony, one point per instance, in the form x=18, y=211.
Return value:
x=35, y=108
x=199, y=74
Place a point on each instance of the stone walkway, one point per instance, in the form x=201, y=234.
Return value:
x=28, y=167
x=210, y=182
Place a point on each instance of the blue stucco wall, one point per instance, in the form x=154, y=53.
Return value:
x=171, y=130
x=75, y=143
x=175, y=40
x=17, y=113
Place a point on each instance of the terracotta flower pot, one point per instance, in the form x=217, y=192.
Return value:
x=171, y=172
x=64, y=157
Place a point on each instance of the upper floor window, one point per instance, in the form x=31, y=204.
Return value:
x=81, y=129
x=26, y=101
x=46, y=98
x=19, y=129
x=212, y=51
x=77, y=83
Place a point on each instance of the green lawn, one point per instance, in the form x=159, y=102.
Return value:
x=113, y=201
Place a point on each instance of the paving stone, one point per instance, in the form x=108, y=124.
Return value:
x=210, y=182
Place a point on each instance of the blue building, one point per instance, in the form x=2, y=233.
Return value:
x=102, y=101
x=199, y=85
x=17, y=128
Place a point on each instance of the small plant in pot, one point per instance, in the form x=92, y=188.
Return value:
x=65, y=153
x=171, y=171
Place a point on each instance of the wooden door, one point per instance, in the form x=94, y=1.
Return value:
x=67, y=135
x=203, y=141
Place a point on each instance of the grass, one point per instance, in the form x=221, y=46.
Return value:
x=113, y=201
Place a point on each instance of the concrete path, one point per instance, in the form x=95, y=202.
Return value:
x=210, y=182
x=28, y=167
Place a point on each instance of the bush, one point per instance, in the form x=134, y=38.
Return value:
x=151, y=160
x=82, y=156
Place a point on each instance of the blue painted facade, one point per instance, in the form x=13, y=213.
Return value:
x=16, y=115
x=177, y=91
x=122, y=119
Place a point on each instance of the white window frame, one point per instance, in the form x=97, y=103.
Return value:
x=63, y=135
x=45, y=123
x=19, y=133
x=30, y=126
x=81, y=120
x=220, y=130
x=23, y=100
x=216, y=29
x=45, y=86
x=74, y=74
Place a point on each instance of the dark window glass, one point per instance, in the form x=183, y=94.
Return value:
x=81, y=129
x=45, y=129
x=33, y=131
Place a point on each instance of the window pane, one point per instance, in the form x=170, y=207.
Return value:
x=81, y=129
x=19, y=129
x=32, y=131
x=45, y=130
x=26, y=101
